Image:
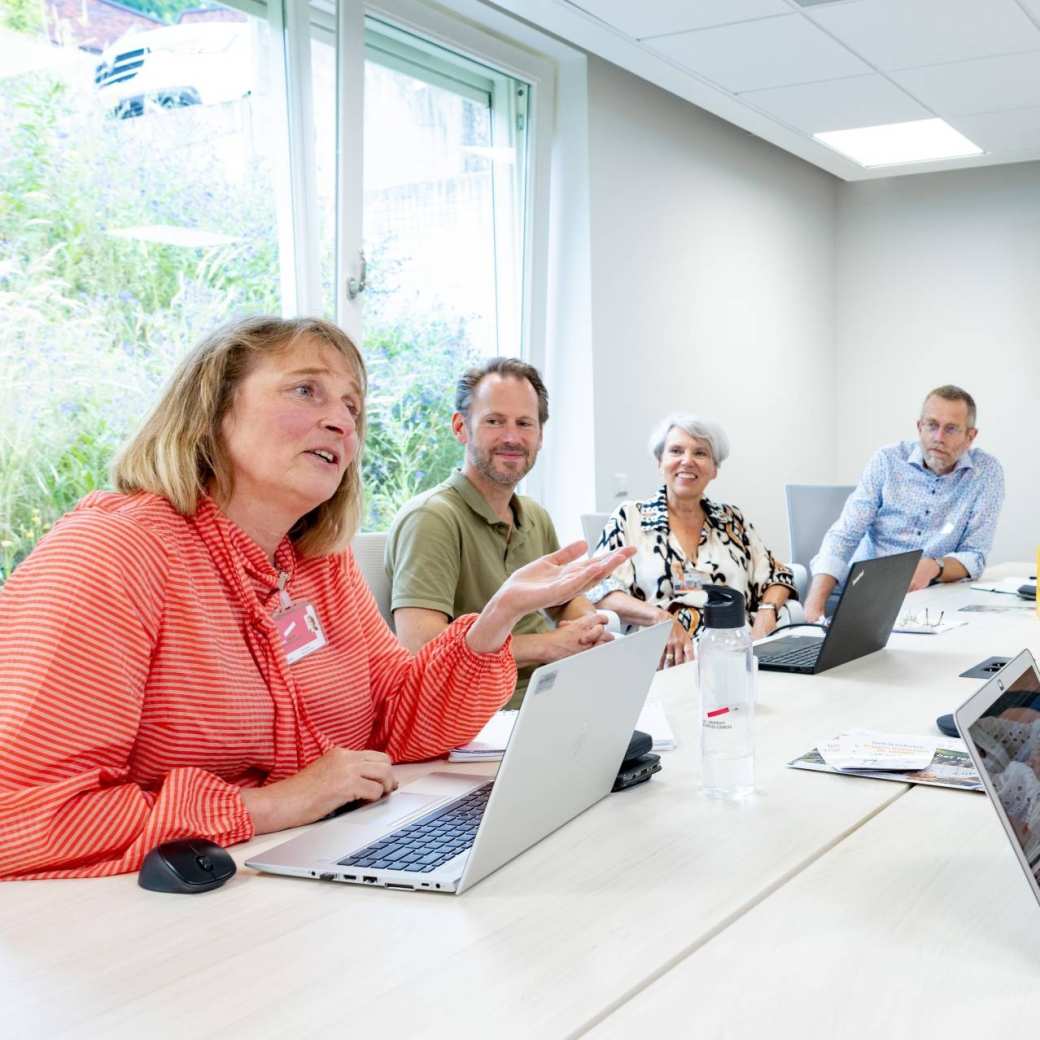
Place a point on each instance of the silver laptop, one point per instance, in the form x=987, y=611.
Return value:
x=1001, y=727
x=446, y=831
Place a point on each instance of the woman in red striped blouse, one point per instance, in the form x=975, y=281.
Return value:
x=197, y=653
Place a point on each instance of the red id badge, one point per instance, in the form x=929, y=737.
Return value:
x=300, y=629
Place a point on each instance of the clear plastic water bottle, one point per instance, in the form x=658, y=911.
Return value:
x=726, y=670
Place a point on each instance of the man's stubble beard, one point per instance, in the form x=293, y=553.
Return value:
x=483, y=463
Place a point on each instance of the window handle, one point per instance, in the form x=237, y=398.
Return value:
x=356, y=286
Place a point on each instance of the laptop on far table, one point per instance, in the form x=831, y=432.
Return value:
x=997, y=726
x=444, y=832
x=862, y=621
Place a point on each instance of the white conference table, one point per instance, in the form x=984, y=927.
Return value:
x=920, y=923
x=584, y=930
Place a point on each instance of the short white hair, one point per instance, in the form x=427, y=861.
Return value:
x=702, y=429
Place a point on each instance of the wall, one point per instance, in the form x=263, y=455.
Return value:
x=712, y=292
x=568, y=490
x=938, y=281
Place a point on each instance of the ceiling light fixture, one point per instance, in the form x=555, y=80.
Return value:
x=894, y=144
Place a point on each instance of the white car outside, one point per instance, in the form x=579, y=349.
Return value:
x=201, y=63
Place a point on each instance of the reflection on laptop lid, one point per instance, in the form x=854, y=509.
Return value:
x=1001, y=727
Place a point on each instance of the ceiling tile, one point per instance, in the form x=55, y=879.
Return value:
x=984, y=85
x=656, y=17
x=773, y=52
x=1003, y=133
x=841, y=104
x=899, y=34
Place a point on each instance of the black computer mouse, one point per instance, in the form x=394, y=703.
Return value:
x=188, y=865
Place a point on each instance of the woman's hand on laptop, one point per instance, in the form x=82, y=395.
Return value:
x=549, y=581
x=337, y=777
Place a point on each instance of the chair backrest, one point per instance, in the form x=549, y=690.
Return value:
x=369, y=549
x=811, y=509
x=592, y=527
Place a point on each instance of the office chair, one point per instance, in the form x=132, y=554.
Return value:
x=811, y=509
x=592, y=527
x=369, y=549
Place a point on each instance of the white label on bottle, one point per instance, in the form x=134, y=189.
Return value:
x=720, y=718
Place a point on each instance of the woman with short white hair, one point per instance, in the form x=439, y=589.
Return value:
x=684, y=542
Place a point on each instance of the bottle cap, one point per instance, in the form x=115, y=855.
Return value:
x=724, y=608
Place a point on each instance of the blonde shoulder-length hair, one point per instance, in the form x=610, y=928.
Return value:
x=179, y=452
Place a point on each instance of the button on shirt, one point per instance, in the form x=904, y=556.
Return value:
x=900, y=504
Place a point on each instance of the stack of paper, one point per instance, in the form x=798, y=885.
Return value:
x=489, y=744
x=938, y=761
x=862, y=749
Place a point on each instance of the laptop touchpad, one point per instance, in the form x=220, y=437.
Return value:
x=386, y=812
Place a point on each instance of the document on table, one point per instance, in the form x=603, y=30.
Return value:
x=948, y=764
x=489, y=744
x=861, y=749
x=1008, y=586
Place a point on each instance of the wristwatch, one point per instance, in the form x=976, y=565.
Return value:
x=942, y=566
x=769, y=606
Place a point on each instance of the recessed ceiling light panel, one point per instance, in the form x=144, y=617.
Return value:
x=895, y=144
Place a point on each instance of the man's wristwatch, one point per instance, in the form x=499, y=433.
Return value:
x=942, y=566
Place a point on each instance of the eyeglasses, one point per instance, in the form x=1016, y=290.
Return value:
x=921, y=619
x=932, y=427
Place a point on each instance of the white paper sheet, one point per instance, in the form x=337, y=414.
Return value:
x=1008, y=586
x=490, y=743
x=865, y=749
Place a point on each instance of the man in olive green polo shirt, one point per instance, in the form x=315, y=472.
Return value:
x=450, y=548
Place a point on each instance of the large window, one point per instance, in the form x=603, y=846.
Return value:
x=167, y=165
x=139, y=208
x=444, y=176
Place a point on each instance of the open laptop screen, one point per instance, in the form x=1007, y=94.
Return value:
x=1007, y=739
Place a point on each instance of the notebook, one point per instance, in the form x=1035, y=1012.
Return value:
x=490, y=743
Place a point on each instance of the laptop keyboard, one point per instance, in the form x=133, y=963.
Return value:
x=423, y=846
x=800, y=656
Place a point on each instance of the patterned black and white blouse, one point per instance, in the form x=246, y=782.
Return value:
x=730, y=553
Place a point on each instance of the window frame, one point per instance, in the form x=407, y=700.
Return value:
x=506, y=97
x=343, y=22
x=451, y=31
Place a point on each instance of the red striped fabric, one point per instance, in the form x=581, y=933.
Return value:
x=133, y=707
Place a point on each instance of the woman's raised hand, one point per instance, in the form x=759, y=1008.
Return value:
x=549, y=581
x=553, y=580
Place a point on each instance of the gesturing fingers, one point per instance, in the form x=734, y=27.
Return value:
x=568, y=553
x=584, y=574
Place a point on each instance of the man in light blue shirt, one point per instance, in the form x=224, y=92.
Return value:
x=939, y=495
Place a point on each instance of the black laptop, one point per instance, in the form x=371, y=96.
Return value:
x=861, y=624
